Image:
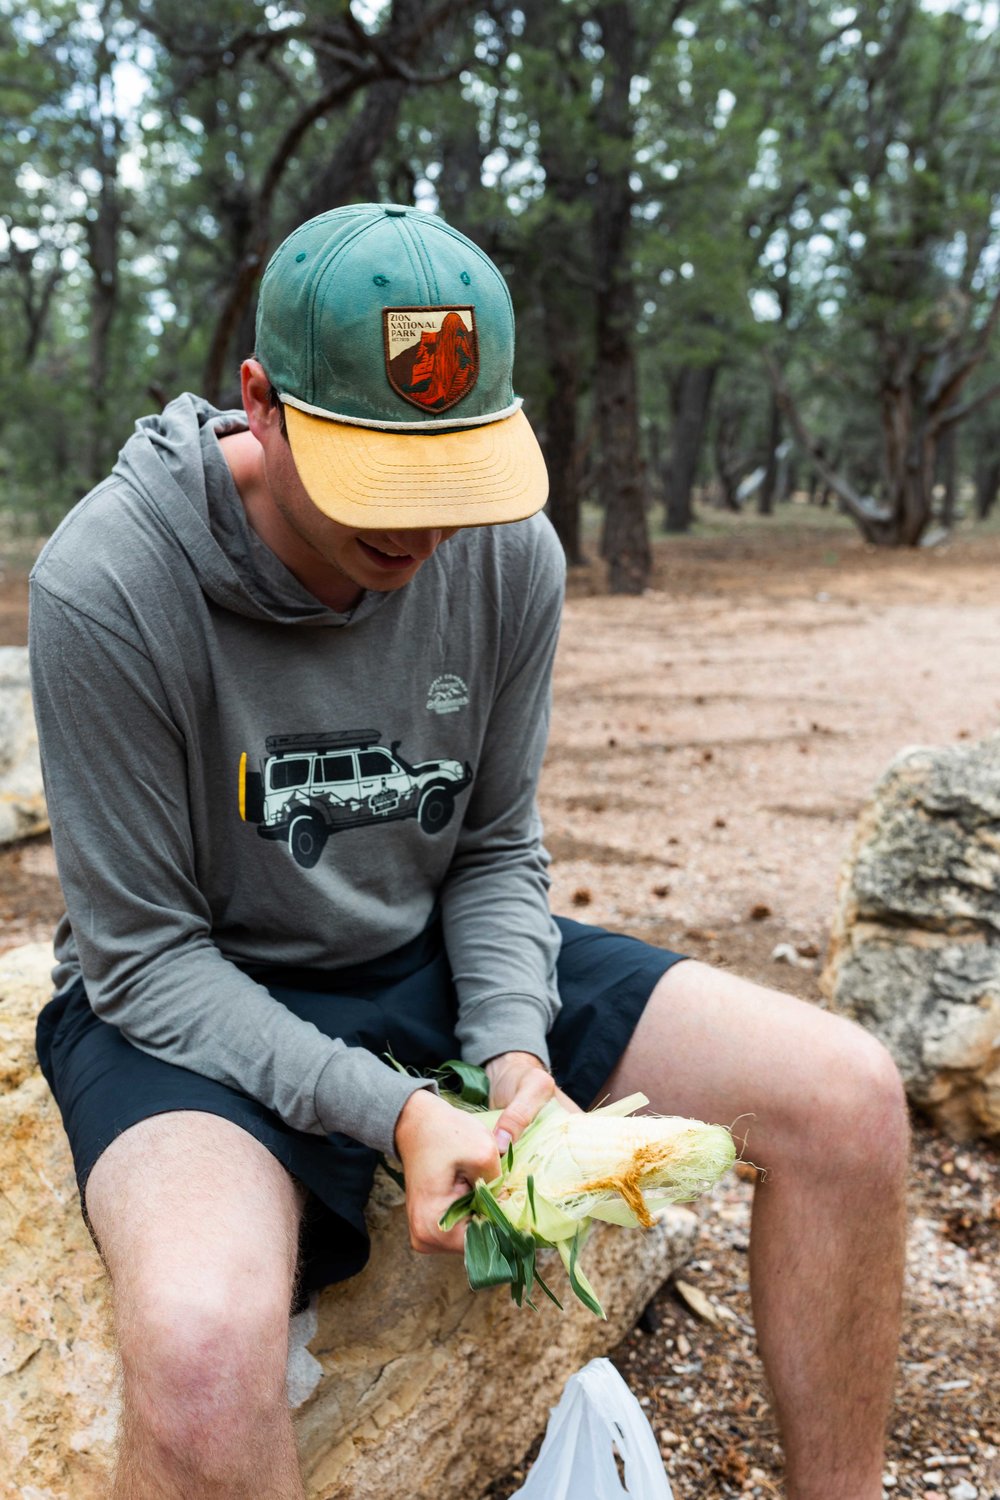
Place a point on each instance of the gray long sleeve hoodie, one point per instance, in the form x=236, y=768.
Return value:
x=237, y=774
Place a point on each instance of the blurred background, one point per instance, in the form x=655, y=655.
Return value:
x=753, y=247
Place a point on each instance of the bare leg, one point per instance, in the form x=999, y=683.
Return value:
x=198, y=1226
x=829, y=1125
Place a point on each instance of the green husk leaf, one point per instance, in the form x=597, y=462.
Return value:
x=568, y=1254
x=487, y=1205
x=485, y=1262
x=515, y=1246
x=524, y=1277
x=474, y=1086
x=459, y=1210
x=549, y=1222
x=547, y=1289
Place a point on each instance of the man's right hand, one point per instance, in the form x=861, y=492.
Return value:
x=444, y=1152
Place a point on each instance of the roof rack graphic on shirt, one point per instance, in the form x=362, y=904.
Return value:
x=311, y=785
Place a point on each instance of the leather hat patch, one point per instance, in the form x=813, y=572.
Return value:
x=431, y=354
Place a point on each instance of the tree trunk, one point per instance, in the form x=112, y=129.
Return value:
x=461, y=175
x=919, y=415
x=908, y=459
x=103, y=231
x=987, y=485
x=947, y=475
x=727, y=488
x=562, y=453
x=561, y=265
x=910, y=453
x=817, y=483
x=788, y=486
x=625, y=540
x=37, y=293
x=768, y=485
x=692, y=396
x=655, y=462
x=727, y=452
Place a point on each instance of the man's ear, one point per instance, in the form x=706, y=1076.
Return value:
x=262, y=417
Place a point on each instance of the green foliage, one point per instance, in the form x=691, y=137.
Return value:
x=813, y=182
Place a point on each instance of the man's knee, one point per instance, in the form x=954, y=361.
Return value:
x=875, y=1114
x=849, y=1117
x=204, y=1363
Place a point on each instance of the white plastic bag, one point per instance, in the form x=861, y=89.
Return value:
x=597, y=1415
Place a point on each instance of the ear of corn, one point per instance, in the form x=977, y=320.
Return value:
x=567, y=1170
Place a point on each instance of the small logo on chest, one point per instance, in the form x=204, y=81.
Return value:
x=447, y=694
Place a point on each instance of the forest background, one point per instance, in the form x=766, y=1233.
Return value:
x=754, y=245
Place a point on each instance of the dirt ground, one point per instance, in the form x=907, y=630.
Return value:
x=712, y=744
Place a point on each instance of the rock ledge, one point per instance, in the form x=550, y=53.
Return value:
x=404, y=1381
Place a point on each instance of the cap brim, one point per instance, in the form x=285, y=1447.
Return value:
x=470, y=476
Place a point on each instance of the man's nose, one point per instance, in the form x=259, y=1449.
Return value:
x=420, y=544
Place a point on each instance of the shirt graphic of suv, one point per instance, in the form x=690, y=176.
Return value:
x=312, y=785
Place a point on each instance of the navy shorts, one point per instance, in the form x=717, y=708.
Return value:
x=403, y=1003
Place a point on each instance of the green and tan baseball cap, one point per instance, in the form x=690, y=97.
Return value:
x=390, y=338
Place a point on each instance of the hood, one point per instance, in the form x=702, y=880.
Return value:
x=175, y=466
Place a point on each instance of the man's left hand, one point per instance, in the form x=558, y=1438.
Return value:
x=520, y=1085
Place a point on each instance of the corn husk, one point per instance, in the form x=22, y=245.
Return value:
x=565, y=1171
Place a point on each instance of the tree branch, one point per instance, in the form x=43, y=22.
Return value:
x=334, y=95
x=256, y=243
x=864, y=508
x=956, y=414
x=385, y=56
x=232, y=47
x=944, y=389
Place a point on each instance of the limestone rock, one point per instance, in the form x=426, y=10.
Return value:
x=915, y=955
x=22, y=800
x=57, y=1373
x=404, y=1381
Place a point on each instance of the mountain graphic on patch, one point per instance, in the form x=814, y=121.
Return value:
x=447, y=694
x=431, y=354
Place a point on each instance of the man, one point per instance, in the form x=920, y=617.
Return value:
x=291, y=671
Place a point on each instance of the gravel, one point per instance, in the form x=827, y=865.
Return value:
x=702, y=1387
x=713, y=743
